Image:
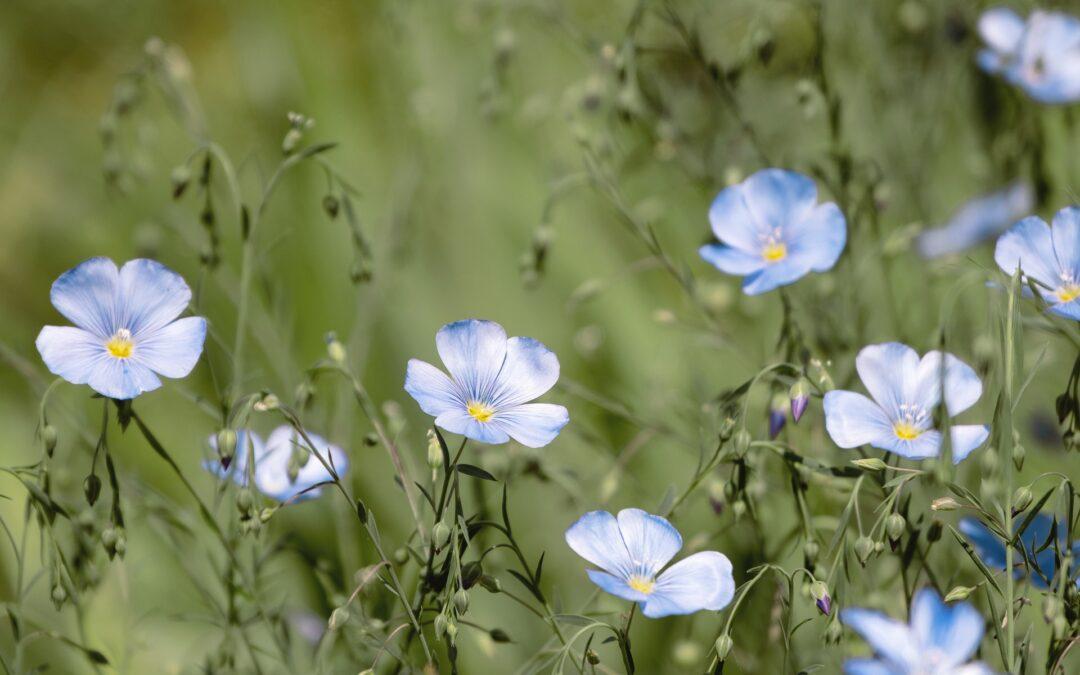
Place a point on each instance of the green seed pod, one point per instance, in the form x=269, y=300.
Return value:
x=440, y=535
x=92, y=488
x=335, y=350
x=864, y=546
x=592, y=657
x=740, y=442
x=440, y=626
x=461, y=601
x=451, y=631
x=723, y=646
x=1018, y=455
x=59, y=595
x=180, y=177
x=401, y=556
x=48, y=437
x=1021, y=499
x=811, y=549
x=121, y=545
x=491, y=584
x=738, y=509
x=434, y=451
x=959, y=593
x=226, y=443
x=331, y=206
x=108, y=538
x=894, y=526
x=338, y=618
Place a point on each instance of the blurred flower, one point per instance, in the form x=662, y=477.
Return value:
x=492, y=378
x=1049, y=256
x=126, y=332
x=906, y=391
x=773, y=231
x=991, y=548
x=940, y=639
x=273, y=459
x=1041, y=55
x=977, y=220
x=633, y=548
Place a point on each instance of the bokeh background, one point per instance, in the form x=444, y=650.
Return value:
x=467, y=129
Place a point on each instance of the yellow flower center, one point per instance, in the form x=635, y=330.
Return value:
x=120, y=344
x=774, y=252
x=905, y=431
x=481, y=412
x=641, y=584
x=1068, y=292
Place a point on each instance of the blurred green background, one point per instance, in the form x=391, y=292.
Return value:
x=466, y=128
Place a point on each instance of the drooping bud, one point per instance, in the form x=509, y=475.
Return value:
x=266, y=514
x=870, y=464
x=226, y=445
x=799, y=395
x=434, y=451
x=944, y=504
x=440, y=535
x=338, y=618
x=894, y=526
x=334, y=349
x=723, y=646
x=59, y=595
x=933, y=534
x=777, y=414
x=740, y=442
x=269, y=401
x=471, y=573
x=331, y=205
x=48, y=438
x=451, y=631
x=959, y=593
x=180, y=178
x=1021, y=499
x=1018, y=455
x=820, y=592
x=834, y=632
x=491, y=584
x=244, y=501
x=864, y=546
x=811, y=549
x=461, y=601
x=592, y=657
x=1051, y=608
x=92, y=488
x=738, y=509
x=440, y=626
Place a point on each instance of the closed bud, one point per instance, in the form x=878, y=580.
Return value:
x=864, y=547
x=461, y=601
x=799, y=396
x=59, y=595
x=727, y=427
x=738, y=509
x=723, y=646
x=944, y=504
x=471, y=573
x=121, y=544
x=740, y=442
x=959, y=593
x=989, y=461
x=331, y=206
x=226, y=444
x=1051, y=608
x=244, y=501
x=401, y=556
x=777, y=415
x=48, y=438
x=338, y=618
x=92, y=488
x=266, y=514
x=1021, y=499
x=870, y=464
x=894, y=526
x=592, y=657
x=1018, y=455
x=180, y=178
x=440, y=626
x=291, y=140
x=334, y=349
x=434, y=451
x=440, y=535
x=108, y=537
x=820, y=592
x=451, y=631
x=834, y=632
x=1061, y=626
x=933, y=533
x=268, y=402
x=490, y=583
x=810, y=550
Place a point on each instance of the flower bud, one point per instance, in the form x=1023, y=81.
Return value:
x=338, y=618
x=799, y=396
x=777, y=415
x=268, y=402
x=864, y=546
x=820, y=592
x=740, y=442
x=471, y=573
x=401, y=556
x=834, y=632
x=244, y=501
x=723, y=646
x=498, y=635
x=334, y=349
x=451, y=631
x=120, y=547
x=226, y=445
x=870, y=464
x=1051, y=607
x=933, y=534
x=108, y=537
x=440, y=535
x=291, y=140
x=331, y=206
x=894, y=526
x=266, y=514
x=738, y=509
x=810, y=550
x=1021, y=499
x=59, y=595
x=491, y=584
x=180, y=177
x=92, y=488
x=959, y=593
x=944, y=504
x=440, y=626
x=48, y=438
x=592, y=657
x=434, y=451
x=461, y=601
x=1018, y=455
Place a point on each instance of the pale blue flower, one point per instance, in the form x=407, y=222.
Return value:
x=1041, y=55
x=940, y=639
x=773, y=231
x=906, y=392
x=492, y=379
x=126, y=329
x=272, y=460
x=1048, y=256
x=632, y=551
x=991, y=549
x=978, y=220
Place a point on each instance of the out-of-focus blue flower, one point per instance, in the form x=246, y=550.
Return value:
x=906, y=392
x=940, y=639
x=272, y=463
x=1049, y=256
x=1041, y=55
x=978, y=220
x=632, y=549
x=773, y=231
x=991, y=549
x=492, y=379
x=126, y=332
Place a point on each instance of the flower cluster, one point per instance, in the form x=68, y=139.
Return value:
x=1040, y=55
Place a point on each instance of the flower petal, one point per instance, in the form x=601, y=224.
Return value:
x=978, y=220
x=596, y=537
x=779, y=199
x=734, y=224
x=966, y=438
x=927, y=445
x=1001, y=29
x=987, y=545
x=272, y=468
x=853, y=420
x=888, y=371
x=1028, y=245
x=529, y=371
x=730, y=260
x=432, y=389
x=889, y=638
x=701, y=581
x=615, y=585
x=122, y=379
x=174, y=349
x=867, y=667
x=473, y=351
x=962, y=385
x=87, y=296
x=650, y=540
x=1066, y=236
x=1069, y=310
x=788, y=270
x=819, y=238
x=151, y=295
x=72, y=353
x=953, y=631
x=461, y=422
x=534, y=425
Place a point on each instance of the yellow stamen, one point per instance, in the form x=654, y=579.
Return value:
x=905, y=431
x=120, y=344
x=774, y=252
x=481, y=412
x=1068, y=293
x=641, y=584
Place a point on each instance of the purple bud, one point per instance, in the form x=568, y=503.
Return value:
x=800, y=398
x=777, y=418
x=824, y=605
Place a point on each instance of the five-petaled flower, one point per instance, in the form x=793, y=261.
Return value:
x=940, y=639
x=1048, y=256
x=978, y=220
x=1043, y=561
x=773, y=231
x=285, y=468
x=633, y=549
x=1041, y=55
x=492, y=379
x=906, y=391
x=126, y=329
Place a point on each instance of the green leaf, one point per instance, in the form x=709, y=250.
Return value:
x=475, y=472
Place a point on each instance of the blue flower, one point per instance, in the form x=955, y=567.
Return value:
x=906, y=392
x=991, y=549
x=1041, y=56
x=940, y=639
x=492, y=379
x=978, y=220
x=773, y=231
x=1048, y=256
x=127, y=332
x=632, y=550
x=273, y=459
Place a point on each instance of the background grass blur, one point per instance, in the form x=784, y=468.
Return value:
x=457, y=121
